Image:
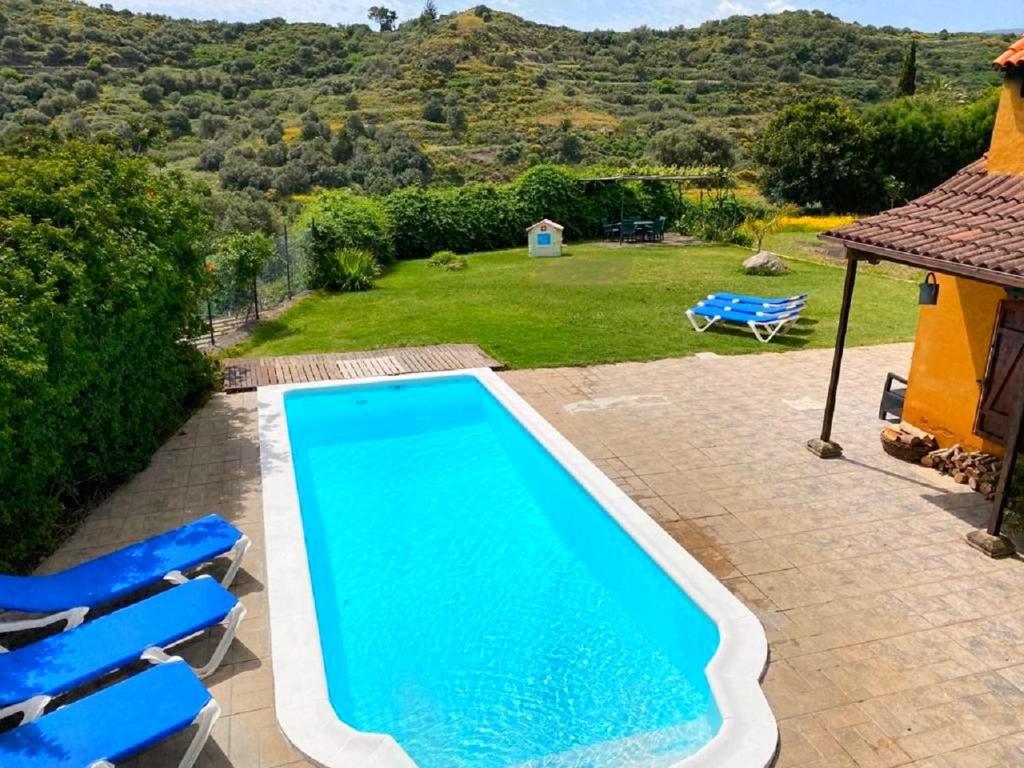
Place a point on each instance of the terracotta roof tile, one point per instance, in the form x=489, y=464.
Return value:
x=975, y=218
x=1014, y=56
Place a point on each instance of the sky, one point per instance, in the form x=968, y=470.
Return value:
x=925, y=15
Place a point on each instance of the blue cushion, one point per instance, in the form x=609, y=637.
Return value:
x=122, y=572
x=744, y=298
x=766, y=310
x=65, y=660
x=112, y=724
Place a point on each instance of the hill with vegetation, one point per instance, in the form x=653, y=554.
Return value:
x=476, y=95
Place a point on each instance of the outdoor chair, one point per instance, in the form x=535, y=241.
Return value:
x=765, y=323
x=115, y=723
x=32, y=675
x=627, y=231
x=610, y=231
x=658, y=232
x=68, y=596
x=892, y=399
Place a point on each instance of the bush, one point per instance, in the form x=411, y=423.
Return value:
x=720, y=218
x=349, y=269
x=101, y=273
x=448, y=261
x=339, y=219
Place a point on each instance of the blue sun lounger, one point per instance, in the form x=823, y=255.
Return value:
x=116, y=723
x=765, y=322
x=764, y=301
x=69, y=595
x=32, y=675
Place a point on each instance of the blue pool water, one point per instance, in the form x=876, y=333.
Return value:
x=475, y=602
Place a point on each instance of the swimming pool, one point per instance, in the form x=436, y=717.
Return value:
x=452, y=585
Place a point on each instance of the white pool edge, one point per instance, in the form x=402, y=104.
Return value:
x=748, y=737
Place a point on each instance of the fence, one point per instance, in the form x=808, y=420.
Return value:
x=228, y=310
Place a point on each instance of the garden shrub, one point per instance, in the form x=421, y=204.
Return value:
x=448, y=261
x=339, y=219
x=720, y=218
x=350, y=270
x=101, y=273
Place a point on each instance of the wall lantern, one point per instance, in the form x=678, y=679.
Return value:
x=929, y=290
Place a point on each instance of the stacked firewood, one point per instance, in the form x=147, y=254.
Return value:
x=977, y=469
x=910, y=436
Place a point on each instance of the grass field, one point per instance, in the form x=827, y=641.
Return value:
x=596, y=305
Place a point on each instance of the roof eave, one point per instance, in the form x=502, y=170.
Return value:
x=981, y=274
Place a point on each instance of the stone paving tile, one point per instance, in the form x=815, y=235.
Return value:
x=892, y=643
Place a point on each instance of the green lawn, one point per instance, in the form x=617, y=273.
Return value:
x=595, y=305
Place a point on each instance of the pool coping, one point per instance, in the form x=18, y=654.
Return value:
x=748, y=737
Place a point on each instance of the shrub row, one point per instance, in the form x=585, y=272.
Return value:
x=101, y=270
x=415, y=222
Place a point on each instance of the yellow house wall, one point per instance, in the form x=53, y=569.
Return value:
x=948, y=365
x=1007, y=152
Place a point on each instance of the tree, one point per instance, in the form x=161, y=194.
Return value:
x=384, y=17
x=151, y=93
x=923, y=140
x=819, y=151
x=694, y=146
x=433, y=110
x=85, y=90
x=758, y=226
x=243, y=257
x=457, y=121
x=429, y=11
x=908, y=72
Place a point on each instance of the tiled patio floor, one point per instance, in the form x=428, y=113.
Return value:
x=892, y=642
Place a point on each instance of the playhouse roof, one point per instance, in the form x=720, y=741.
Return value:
x=1014, y=56
x=549, y=222
x=973, y=225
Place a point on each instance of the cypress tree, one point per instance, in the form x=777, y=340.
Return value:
x=908, y=76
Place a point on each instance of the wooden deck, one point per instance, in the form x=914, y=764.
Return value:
x=244, y=374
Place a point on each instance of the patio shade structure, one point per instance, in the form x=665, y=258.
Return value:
x=714, y=179
x=972, y=226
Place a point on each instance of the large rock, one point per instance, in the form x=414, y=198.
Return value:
x=765, y=263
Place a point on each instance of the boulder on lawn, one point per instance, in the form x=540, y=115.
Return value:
x=765, y=263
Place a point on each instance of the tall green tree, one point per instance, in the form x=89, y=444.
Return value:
x=819, y=151
x=923, y=140
x=908, y=72
x=385, y=18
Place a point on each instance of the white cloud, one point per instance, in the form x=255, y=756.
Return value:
x=778, y=6
x=731, y=8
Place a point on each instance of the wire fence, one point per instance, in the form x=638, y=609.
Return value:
x=229, y=309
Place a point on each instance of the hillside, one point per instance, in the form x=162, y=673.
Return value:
x=474, y=95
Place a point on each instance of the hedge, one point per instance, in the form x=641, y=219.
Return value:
x=339, y=220
x=101, y=270
x=483, y=217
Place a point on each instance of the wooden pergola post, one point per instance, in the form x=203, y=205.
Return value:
x=991, y=540
x=824, y=447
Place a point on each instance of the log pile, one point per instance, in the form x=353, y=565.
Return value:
x=909, y=436
x=977, y=469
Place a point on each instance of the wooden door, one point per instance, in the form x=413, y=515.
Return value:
x=1004, y=375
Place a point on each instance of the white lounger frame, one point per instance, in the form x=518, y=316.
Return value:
x=764, y=330
x=75, y=616
x=204, y=721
